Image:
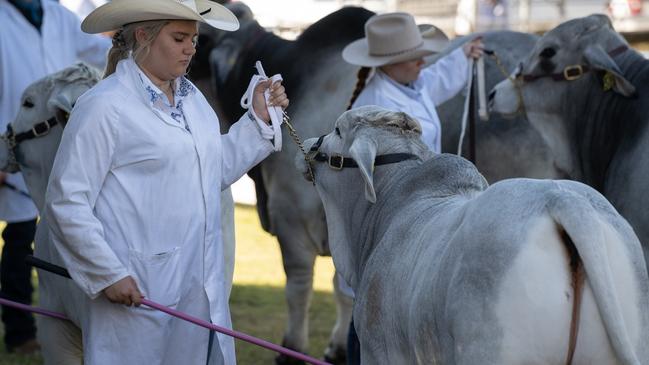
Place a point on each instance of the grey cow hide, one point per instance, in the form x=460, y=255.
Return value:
x=449, y=270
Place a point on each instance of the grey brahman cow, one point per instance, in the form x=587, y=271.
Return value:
x=30, y=146
x=587, y=93
x=449, y=270
x=320, y=84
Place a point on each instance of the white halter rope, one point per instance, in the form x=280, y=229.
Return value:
x=275, y=112
x=482, y=98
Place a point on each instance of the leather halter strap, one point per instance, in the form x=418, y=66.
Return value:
x=13, y=140
x=339, y=162
x=38, y=130
x=572, y=72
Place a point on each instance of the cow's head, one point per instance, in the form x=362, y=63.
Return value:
x=360, y=136
x=44, y=110
x=575, y=59
x=346, y=165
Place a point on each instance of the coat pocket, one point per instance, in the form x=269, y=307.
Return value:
x=159, y=276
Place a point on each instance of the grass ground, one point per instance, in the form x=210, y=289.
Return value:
x=257, y=302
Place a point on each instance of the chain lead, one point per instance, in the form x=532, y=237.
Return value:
x=293, y=133
x=517, y=86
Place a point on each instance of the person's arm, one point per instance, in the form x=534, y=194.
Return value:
x=81, y=165
x=449, y=75
x=243, y=147
x=446, y=77
x=248, y=141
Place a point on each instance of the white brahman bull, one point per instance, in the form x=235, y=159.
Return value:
x=449, y=270
x=44, y=110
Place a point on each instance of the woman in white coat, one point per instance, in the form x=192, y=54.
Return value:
x=392, y=73
x=133, y=197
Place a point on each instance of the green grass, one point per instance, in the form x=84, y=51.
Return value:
x=257, y=303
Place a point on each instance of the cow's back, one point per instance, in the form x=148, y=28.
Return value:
x=443, y=277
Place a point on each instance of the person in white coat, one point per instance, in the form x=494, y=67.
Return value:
x=133, y=197
x=392, y=73
x=36, y=39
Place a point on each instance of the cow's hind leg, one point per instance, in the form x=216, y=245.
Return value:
x=61, y=342
x=298, y=263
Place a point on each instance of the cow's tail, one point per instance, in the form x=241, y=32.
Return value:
x=587, y=231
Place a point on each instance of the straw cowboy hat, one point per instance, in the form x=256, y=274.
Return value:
x=114, y=14
x=392, y=38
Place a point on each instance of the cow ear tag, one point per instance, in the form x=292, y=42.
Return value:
x=608, y=81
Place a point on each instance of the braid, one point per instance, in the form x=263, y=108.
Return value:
x=118, y=52
x=361, y=77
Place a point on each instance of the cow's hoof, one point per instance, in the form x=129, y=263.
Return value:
x=335, y=355
x=287, y=360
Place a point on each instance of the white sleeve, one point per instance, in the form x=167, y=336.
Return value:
x=446, y=77
x=243, y=147
x=90, y=48
x=81, y=165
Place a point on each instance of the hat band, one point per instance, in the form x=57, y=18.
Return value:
x=398, y=52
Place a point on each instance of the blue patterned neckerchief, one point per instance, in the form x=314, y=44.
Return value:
x=182, y=89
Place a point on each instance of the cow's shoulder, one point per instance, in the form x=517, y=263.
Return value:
x=445, y=175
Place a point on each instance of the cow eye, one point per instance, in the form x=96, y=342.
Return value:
x=548, y=53
x=337, y=131
x=28, y=103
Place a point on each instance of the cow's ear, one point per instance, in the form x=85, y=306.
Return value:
x=63, y=102
x=600, y=60
x=363, y=151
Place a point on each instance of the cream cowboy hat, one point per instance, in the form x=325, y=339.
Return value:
x=114, y=14
x=392, y=38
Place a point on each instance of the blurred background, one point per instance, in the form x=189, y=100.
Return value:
x=257, y=303
x=455, y=17
x=288, y=18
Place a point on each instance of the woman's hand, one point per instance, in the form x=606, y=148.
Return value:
x=277, y=98
x=474, y=48
x=124, y=291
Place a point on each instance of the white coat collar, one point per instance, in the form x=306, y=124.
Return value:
x=182, y=87
x=412, y=92
x=128, y=74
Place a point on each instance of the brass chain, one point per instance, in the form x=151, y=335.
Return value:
x=517, y=86
x=293, y=133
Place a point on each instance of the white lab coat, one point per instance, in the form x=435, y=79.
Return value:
x=133, y=193
x=436, y=84
x=26, y=56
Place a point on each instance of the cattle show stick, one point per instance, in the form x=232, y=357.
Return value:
x=15, y=188
x=55, y=269
x=29, y=308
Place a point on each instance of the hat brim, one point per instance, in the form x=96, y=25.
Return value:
x=115, y=14
x=357, y=52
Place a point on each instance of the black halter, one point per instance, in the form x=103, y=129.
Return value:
x=38, y=130
x=339, y=162
x=571, y=72
x=13, y=140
